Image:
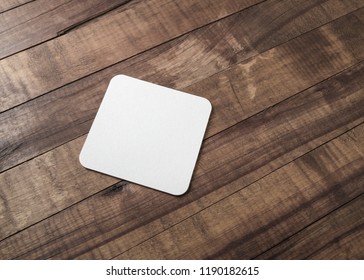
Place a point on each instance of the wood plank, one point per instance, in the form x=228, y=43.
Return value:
x=306, y=57
x=339, y=235
x=6, y=5
x=65, y=115
x=68, y=121
x=43, y=20
x=279, y=21
x=247, y=151
x=251, y=220
x=102, y=43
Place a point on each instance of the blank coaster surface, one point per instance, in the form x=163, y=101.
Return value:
x=147, y=134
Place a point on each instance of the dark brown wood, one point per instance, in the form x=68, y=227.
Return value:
x=279, y=21
x=104, y=42
x=260, y=215
x=329, y=238
x=212, y=87
x=280, y=173
x=42, y=20
x=276, y=74
x=61, y=109
x=247, y=151
x=298, y=64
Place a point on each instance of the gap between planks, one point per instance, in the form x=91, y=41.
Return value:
x=268, y=117
x=142, y=52
x=12, y=6
x=132, y=72
x=283, y=249
x=80, y=53
x=154, y=243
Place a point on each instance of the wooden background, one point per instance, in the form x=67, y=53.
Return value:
x=281, y=170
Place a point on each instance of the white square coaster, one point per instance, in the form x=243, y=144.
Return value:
x=147, y=134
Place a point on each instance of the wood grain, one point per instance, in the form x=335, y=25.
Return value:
x=6, y=5
x=43, y=20
x=261, y=81
x=280, y=173
x=279, y=21
x=329, y=238
x=102, y=43
x=311, y=118
x=251, y=220
x=46, y=180
x=59, y=118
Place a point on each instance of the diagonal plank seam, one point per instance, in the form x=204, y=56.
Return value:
x=13, y=8
x=45, y=151
x=287, y=215
x=291, y=39
x=67, y=30
x=246, y=187
x=336, y=239
x=276, y=104
x=41, y=14
x=172, y=39
x=310, y=224
x=199, y=210
x=295, y=158
x=117, y=62
x=93, y=9
x=264, y=110
x=103, y=189
x=88, y=20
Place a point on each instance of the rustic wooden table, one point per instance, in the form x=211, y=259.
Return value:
x=281, y=170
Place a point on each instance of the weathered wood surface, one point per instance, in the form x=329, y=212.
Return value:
x=212, y=87
x=314, y=122
x=43, y=20
x=331, y=237
x=61, y=110
x=251, y=220
x=286, y=83
x=104, y=42
x=7, y=5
